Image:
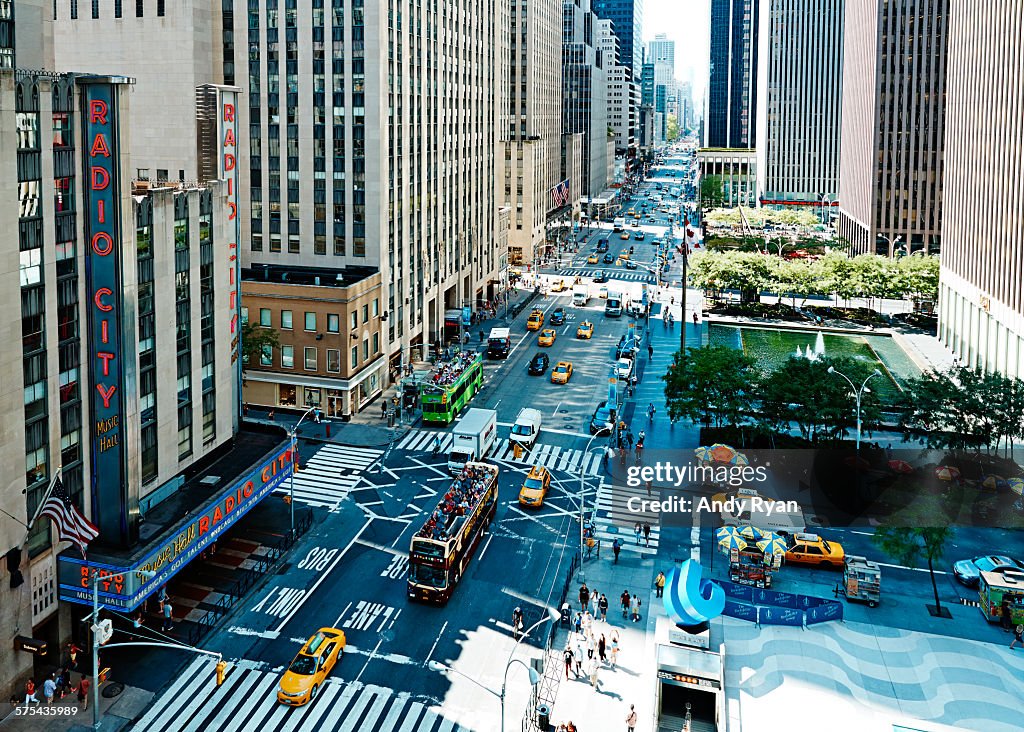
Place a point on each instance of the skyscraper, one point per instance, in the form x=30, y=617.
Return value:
x=894, y=101
x=584, y=94
x=662, y=50
x=981, y=286
x=800, y=74
x=732, y=86
x=627, y=18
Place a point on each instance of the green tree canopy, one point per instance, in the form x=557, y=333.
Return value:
x=256, y=339
x=712, y=385
x=920, y=276
x=907, y=545
x=712, y=193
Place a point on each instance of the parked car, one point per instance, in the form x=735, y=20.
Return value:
x=539, y=364
x=968, y=571
x=624, y=368
x=602, y=418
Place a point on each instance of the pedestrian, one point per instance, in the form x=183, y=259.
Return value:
x=383, y=408
x=602, y=646
x=637, y=530
x=168, y=623
x=584, y=596
x=595, y=602
x=602, y=606
x=588, y=621
x=30, y=692
x=570, y=727
x=481, y=336
x=578, y=623
x=595, y=666
x=50, y=688
x=631, y=719
x=647, y=526
x=581, y=650
x=650, y=351
x=73, y=652
x=437, y=445
x=568, y=656
x=590, y=646
x=659, y=584
x=83, y=692
x=624, y=599
x=137, y=620
x=1018, y=636
x=695, y=317
x=616, y=548
x=614, y=655
x=609, y=453
x=634, y=607
x=316, y=415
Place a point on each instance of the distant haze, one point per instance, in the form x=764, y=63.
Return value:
x=687, y=22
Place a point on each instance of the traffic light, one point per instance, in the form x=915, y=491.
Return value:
x=221, y=669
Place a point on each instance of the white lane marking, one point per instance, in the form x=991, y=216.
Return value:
x=322, y=577
x=436, y=641
x=486, y=544
x=912, y=569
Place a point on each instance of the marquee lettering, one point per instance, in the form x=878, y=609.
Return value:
x=98, y=299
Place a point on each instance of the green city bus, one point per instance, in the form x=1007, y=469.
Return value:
x=442, y=403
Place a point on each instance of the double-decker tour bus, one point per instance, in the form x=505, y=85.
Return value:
x=450, y=387
x=445, y=543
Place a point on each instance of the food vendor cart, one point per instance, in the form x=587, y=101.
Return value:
x=753, y=567
x=1002, y=594
x=862, y=580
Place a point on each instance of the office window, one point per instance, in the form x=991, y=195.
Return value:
x=333, y=323
x=355, y=357
x=376, y=307
x=266, y=355
x=366, y=350
x=366, y=313
x=376, y=342
x=288, y=357
x=160, y=7
x=333, y=360
x=355, y=320
x=309, y=358
x=311, y=321
x=138, y=8
x=265, y=317
x=286, y=319
x=245, y=315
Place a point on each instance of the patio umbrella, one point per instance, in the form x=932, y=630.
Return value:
x=901, y=466
x=750, y=532
x=703, y=454
x=730, y=543
x=772, y=546
x=739, y=459
x=722, y=453
x=725, y=532
x=1016, y=485
x=993, y=482
x=947, y=472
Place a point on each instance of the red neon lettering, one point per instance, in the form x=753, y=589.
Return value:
x=229, y=112
x=217, y=515
x=234, y=322
x=101, y=211
x=98, y=299
x=247, y=489
x=98, y=111
x=102, y=243
x=204, y=525
x=231, y=298
x=99, y=146
x=106, y=392
x=103, y=331
x=105, y=358
x=233, y=208
x=229, y=504
x=229, y=161
x=264, y=476
x=100, y=178
x=229, y=138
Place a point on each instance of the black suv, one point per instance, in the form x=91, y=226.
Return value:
x=557, y=317
x=539, y=364
x=600, y=276
x=608, y=259
x=602, y=245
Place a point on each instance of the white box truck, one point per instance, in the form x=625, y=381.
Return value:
x=473, y=438
x=613, y=306
x=580, y=295
x=527, y=427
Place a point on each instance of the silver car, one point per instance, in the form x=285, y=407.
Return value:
x=968, y=571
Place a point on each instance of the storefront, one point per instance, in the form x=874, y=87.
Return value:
x=690, y=684
x=339, y=398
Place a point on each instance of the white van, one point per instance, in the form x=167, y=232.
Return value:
x=526, y=428
x=618, y=224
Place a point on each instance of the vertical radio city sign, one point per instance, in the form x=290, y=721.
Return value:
x=105, y=303
x=228, y=170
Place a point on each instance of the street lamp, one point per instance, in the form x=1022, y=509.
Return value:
x=858, y=394
x=892, y=243
x=95, y=579
x=295, y=455
x=604, y=430
x=551, y=615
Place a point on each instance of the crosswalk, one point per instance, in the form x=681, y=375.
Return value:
x=552, y=457
x=616, y=517
x=248, y=701
x=327, y=477
x=615, y=273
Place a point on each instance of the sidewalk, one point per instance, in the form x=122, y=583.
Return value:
x=632, y=680
x=116, y=712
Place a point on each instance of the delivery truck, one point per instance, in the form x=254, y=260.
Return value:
x=499, y=343
x=580, y=295
x=613, y=306
x=527, y=428
x=473, y=437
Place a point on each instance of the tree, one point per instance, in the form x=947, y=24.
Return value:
x=671, y=128
x=821, y=404
x=712, y=193
x=797, y=277
x=712, y=385
x=920, y=276
x=907, y=544
x=255, y=340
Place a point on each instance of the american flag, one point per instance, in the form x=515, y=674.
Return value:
x=560, y=193
x=71, y=525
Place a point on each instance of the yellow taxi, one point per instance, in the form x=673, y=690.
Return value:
x=307, y=671
x=592, y=259
x=558, y=286
x=535, y=321
x=624, y=254
x=561, y=373
x=547, y=337
x=535, y=487
x=632, y=212
x=624, y=235
x=585, y=330
x=814, y=550
x=603, y=293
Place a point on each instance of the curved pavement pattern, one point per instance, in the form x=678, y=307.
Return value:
x=864, y=678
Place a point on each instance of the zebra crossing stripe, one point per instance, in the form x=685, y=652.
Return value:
x=330, y=474
x=172, y=701
x=355, y=712
x=339, y=706
x=264, y=693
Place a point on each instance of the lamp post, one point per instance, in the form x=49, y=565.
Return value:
x=892, y=242
x=858, y=394
x=603, y=430
x=95, y=579
x=551, y=614
x=295, y=453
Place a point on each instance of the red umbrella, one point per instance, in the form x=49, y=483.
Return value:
x=901, y=466
x=947, y=472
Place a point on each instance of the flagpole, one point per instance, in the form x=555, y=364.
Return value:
x=42, y=502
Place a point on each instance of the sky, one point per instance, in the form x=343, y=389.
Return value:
x=687, y=22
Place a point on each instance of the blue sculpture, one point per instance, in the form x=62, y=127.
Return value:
x=689, y=598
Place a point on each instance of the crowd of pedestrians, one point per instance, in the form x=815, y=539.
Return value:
x=448, y=372
x=464, y=493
